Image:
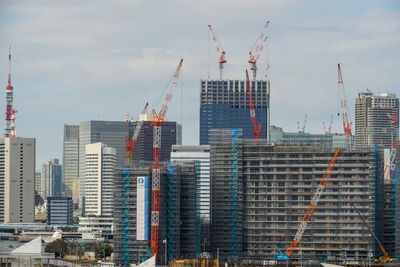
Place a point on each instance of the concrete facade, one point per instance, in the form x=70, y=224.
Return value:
x=51, y=184
x=17, y=175
x=100, y=162
x=372, y=125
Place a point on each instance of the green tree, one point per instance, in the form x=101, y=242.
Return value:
x=58, y=247
x=102, y=252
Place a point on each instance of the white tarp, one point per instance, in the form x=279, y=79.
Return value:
x=142, y=208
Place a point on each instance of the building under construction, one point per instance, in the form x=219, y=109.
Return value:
x=260, y=193
x=179, y=213
x=223, y=104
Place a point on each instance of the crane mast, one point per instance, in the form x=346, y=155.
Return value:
x=130, y=144
x=256, y=50
x=220, y=50
x=346, y=124
x=158, y=120
x=310, y=210
x=255, y=126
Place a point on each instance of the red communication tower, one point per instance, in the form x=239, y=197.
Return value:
x=9, y=131
x=158, y=120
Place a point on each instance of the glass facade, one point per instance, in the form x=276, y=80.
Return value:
x=71, y=160
x=223, y=105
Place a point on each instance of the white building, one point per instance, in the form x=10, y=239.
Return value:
x=17, y=174
x=201, y=154
x=100, y=162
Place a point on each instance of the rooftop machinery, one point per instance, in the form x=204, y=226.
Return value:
x=220, y=50
x=346, y=124
x=255, y=126
x=158, y=120
x=256, y=50
x=314, y=202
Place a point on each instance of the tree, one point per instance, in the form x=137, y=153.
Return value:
x=58, y=247
x=103, y=252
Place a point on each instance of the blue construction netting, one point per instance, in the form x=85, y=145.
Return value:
x=197, y=205
x=234, y=192
x=125, y=188
x=171, y=214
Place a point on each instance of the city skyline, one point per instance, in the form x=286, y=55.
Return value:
x=74, y=61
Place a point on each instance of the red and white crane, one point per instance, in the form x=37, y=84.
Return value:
x=329, y=130
x=310, y=210
x=158, y=120
x=130, y=143
x=346, y=124
x=220, y=50
x=255, y=126
x=256, y=50
x=302, y=129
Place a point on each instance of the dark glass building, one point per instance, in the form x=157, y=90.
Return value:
x=223, y=104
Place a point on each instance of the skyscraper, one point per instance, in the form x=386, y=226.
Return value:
x=17, y=175
x=223, y=104
x=100, y=163
x=70, y=162
x=171, y=133
x=374, y=120
x=110, y=133
x=51, y=179
x=201, y=154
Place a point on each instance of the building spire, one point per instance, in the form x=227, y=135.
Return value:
x=9, y=130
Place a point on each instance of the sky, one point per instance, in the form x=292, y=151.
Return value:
x=75, y=60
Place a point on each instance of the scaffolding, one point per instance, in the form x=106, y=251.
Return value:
x=125, y=188
x=234, y=192
x=171, y=211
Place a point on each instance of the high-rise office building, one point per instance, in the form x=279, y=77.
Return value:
x=17, y=175
x=171, y=134
x=201, y=154
x=70, y=162
x=260, y=193
x=100, y=162
x=51, y=179
x=59, y=211
x=223, y=104
x=110, y=133
x=375, y=121
x=38, y=180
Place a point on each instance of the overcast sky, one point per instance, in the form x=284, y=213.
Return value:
x=96, y=60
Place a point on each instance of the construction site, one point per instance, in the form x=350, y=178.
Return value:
x=302, y=201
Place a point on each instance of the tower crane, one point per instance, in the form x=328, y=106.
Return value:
x=303, y=128
x=220, y=50
x=256, y=50
x=329, y=130
x=346, y=124
x=130, y=143
x=255, y=126
x=314, y=202
x=385, y=257
x=158, y=120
